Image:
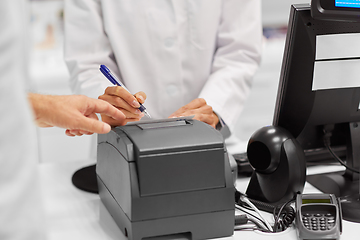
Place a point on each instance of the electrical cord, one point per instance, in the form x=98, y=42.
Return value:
x=258, y=223
x=282, y=223
x=327, y=142
x=249, y=222
x=254, y=219
x=245, y=210
x=244, y=219
x=241, y=219
x=247, y=201
x=283, y=218
x=242, y=200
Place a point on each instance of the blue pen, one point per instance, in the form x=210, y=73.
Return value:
x=111, y=77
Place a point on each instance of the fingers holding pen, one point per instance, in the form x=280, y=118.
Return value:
x=125, y=101
x=140, y=97
x=121, y=98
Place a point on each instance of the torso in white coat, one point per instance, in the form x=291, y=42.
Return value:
x=174, y=51
x=21, y=209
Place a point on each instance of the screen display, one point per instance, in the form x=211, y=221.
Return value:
x=307, y=201
x=347, y=3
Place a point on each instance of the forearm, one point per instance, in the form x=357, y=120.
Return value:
x=236, y=60
x=86, y=47
x=40, y=106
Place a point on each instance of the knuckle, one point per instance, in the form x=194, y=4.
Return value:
x=118, y=90
x=101, y=97
x=108, y=90
x=117, y=101
x=201, y=101
x=208, y=108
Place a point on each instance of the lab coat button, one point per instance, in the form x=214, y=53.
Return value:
x=172, y=90
x=169, y=42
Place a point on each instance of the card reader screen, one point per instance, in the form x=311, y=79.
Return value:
x=307, y=201
x=347, y=3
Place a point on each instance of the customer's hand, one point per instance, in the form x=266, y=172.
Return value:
x=201, y=111
x=76, y=113
x=126, y=102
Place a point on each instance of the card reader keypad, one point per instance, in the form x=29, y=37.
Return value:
x=318, y=221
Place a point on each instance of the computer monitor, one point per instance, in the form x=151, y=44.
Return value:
x=336, y=9
x=319, y=90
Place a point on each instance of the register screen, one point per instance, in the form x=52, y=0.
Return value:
x=347, y=3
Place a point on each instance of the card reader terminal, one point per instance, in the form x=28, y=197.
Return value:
x=318, y=216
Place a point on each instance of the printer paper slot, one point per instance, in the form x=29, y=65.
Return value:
x=163, y=124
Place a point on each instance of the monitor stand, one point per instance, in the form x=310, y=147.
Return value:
x=344, y=185
x=344, y=188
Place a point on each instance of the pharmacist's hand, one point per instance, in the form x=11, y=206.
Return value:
x=124, y=101
x=75, y=113
x=201, y=111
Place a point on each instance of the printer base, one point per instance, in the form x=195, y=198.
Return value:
x=200, y=226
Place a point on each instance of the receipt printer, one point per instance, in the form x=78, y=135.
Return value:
x=167, y=177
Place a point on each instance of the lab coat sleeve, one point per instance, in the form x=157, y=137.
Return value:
x=87, y=47
x=236, y=59
x=21, y=209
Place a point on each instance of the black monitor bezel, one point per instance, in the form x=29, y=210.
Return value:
x=326, y=9
x=331, y=5
x=294, y=113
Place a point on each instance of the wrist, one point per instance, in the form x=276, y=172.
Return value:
x=222, y=127
x=39, y=104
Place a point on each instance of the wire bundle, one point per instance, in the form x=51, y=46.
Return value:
x=283, y=216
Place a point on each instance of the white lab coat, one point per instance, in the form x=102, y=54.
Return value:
x=21, y=213
x=173, y=50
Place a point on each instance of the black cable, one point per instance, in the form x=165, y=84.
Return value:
x=243, y=219
x=283, y=218
x=244, y=205
x=251, y=219
x=267, y=207
x=252, y=229
x=326, y=139
x=254, y=216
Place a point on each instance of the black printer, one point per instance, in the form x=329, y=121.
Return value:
x=165, y=177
